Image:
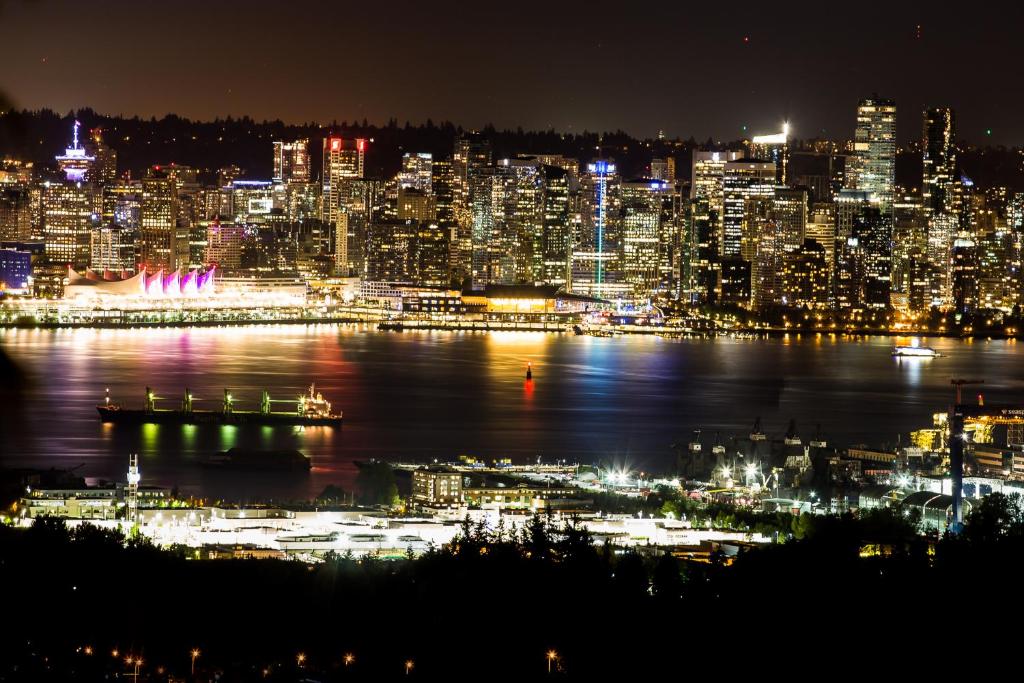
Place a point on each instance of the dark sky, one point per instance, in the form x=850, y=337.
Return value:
x=679, y=66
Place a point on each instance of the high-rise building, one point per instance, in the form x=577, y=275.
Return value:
x=964, y=275
x=874, y=147
x=598, y=246
x=703, y=265
x=68, y=216
x=15, y=213
x=343, y=160
x=417, y=171
x=939, y=173
x=407, y=252
x=746, y=183
x=291, y=161
x=641, y=234
x=471, y=157
x=805, y=276
x=556, y=236
x=773, y=148
x=112, y=248
x=415, y=204
x=158, y=235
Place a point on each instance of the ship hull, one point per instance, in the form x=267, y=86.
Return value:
x=197, y=417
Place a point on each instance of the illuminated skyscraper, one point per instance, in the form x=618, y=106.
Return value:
x=470, y=157
x=641, y=234
x=158, y=247
x=556, y=238
x=597, y=248
x=939, y=173
x=104, y=170
x=343, y=160
x=874, y=146
x=773, y=148
x=15, y=213
x=417, y=170
x=291, y=161
x=68, y=216
x=745, y=183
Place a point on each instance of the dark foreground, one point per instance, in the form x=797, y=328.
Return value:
x=492, y=606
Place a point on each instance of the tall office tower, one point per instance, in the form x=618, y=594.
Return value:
x=362, y=202
x=806, y=276
x=745, y=184
x=343, y=160
x=873, y=233
x=909, y=234
x=773, y=148
x=302, y=203
x=673, y=248
x=768, y=264
x=486, y=193
x=1015, y=212
x=708, y=179
x=470, y=158
x=442, y=185
x=15, y=213
x=874, y=146
x=734, y=289
x=523, y=221
x=964, y=275
x=789, y=208
x=919, y=281
x=598, y=246
x=76, y=163
x=939, y=172
x=702, y=266
x=158, y=235
x=556, y=238
x=68, y=215
x=291, y=161
x=642, y=217
x=112, y=248
x=104, y=170
x=417, y=171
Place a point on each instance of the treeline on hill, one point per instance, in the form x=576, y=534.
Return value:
x=209, y=145
x=490, y=605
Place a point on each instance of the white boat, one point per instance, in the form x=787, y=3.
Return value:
x=915, y=352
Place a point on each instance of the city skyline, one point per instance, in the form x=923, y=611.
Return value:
x=686, y=71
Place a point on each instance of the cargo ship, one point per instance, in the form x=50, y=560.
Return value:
x=258, y=460
x=311, y=410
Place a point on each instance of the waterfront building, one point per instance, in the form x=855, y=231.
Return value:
x=702, y=266
x=806, y=276
x=408, y=252
x=641, y=235
x=15, y=271
x=964, y=275
x=432, y=487
x=224, y=245
x=471, y=157
x=68, y=215
x=112, y=248
x=158, y=234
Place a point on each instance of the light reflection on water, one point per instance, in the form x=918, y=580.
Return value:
x=421, y=395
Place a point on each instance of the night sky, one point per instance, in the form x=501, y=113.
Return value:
x=701, y=69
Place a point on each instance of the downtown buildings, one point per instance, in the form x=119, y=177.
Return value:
x=759, y=226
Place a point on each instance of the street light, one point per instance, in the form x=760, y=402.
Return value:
x=552, y=656
x=300, y=659
x=408, y=666
x=349, y=658
x=195, y=654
